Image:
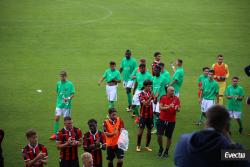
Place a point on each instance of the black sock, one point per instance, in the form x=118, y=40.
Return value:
x=139, y=140
x=166, y=151
x=110, y=164
x=148, y=139
x=119, y=164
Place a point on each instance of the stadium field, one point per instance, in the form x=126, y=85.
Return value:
x=39, y=38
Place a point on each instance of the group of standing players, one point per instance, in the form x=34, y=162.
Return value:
x=153, y=99
x=213, y=88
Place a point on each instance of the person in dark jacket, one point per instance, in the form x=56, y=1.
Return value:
x=203, y=148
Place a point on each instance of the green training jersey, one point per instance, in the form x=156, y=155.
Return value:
x=110, y=75
x=178, y=76
x=134, y=73
x=209, y=89
x=64, y=90
x=140, y=78
x=159, y=84
x=233, y=104
x=128, y=66
x=201, y=79
x=166, y=75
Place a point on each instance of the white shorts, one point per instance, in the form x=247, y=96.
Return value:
x=111, y=92
x=206, y=104
x=63, y=111
x=136, y=100
x=235, y=114
x=128, y=84
x=156, y=107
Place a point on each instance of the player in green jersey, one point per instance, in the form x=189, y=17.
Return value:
x=201, y=79
x=235, y=94
x=209, y=92
x=178, y=76
x=128, y=65
x=65, y=92
x=159, y=83
x=165, y=73
x=139, y=79
x=112, y=77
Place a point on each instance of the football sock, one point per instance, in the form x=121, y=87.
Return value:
x=139, y=140
x=240, y=123
x=111, y=104
x=119, y=164
x=110, y=164
x=136, y=111
x=129, y=95
x=148, y=139
x=56, y=126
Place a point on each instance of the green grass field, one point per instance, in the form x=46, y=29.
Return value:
x=38, y=38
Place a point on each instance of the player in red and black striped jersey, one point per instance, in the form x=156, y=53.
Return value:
x=68, y=140
x=157, y=60
x=146, y=114
x=34, y=154
x=94, y=142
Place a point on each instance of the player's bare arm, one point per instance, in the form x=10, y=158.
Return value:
x=60, y=145
x=135, y=86
x=100, y=81
x=173, y=82
x=217, y=98
x=44, y=160
x=40, y=156
x=164, y=107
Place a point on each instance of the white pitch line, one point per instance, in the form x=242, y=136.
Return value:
x=50, y=23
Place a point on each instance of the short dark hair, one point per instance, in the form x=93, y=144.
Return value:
x=205, y=68
x=217, y=117
x=180, y=61
x=112, y=63
x=112, y=110
x=220, y=55
x=157, y=53
x=92, y=121
x=161, y=64
x=68, y=118
x=142, y=60
x=142, y=65
x=128, y=52
x=235, y=78
x=30, y=132
x=147, y=82
x=64, y=73
x=212, y=71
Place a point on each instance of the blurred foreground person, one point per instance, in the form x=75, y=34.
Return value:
x=203, y=148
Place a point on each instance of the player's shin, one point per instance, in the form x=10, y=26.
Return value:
x=129, y=95
x=148, y=139
x=56, y=126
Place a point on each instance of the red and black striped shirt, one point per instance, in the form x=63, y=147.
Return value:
x=69, y=152
x=146, y=111
x=29, y=153
x=89, y=145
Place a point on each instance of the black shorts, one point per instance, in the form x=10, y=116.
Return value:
x=165, y=128
x=113, y=152
x=69, y=163
x=148, y=122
